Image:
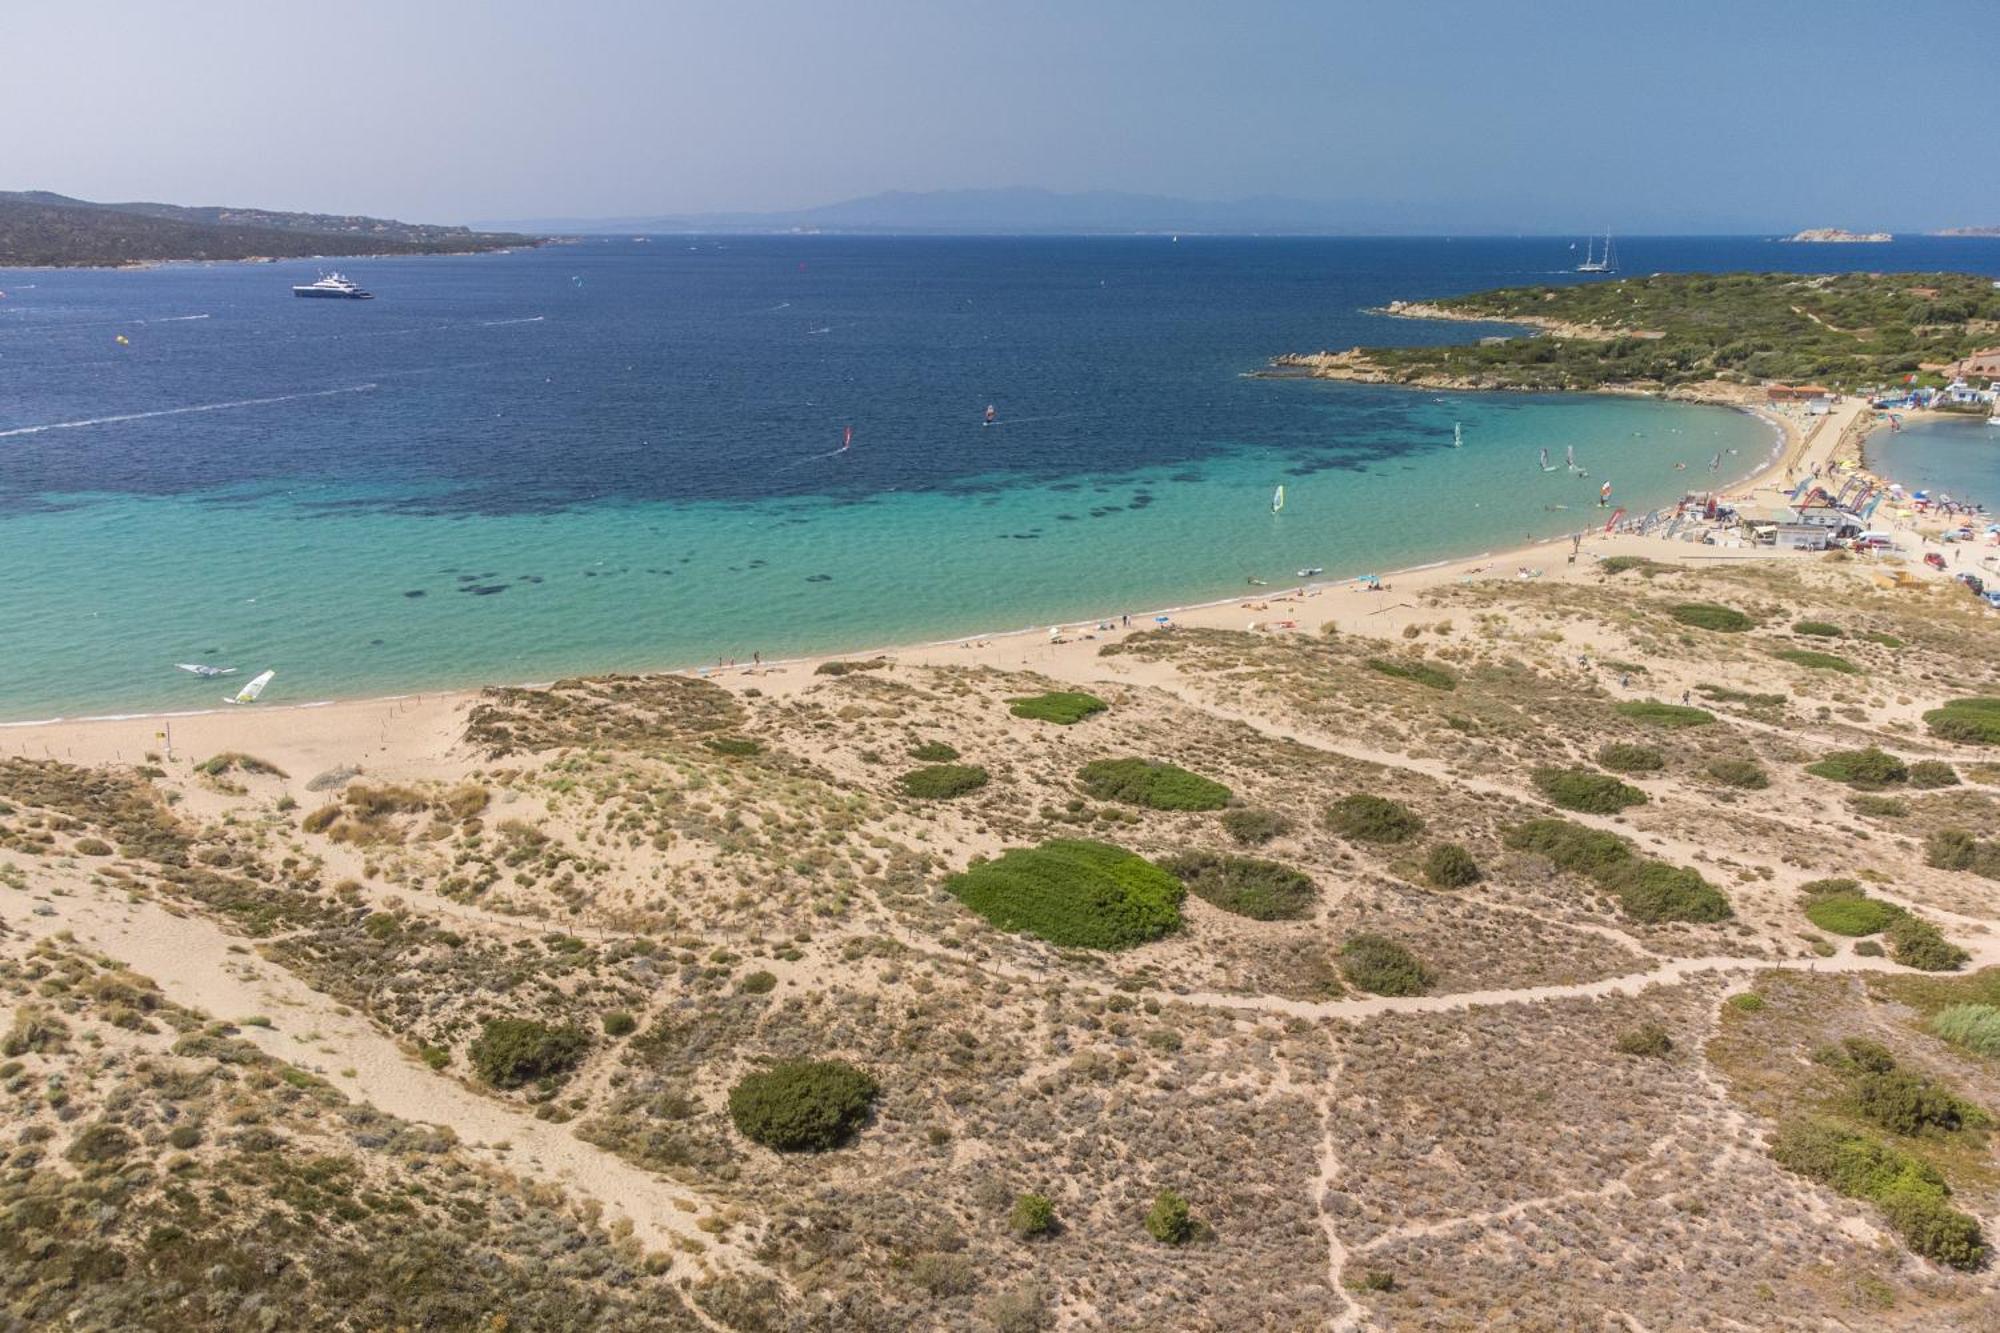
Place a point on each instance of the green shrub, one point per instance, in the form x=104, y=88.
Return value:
x=1930, y=774
x=100, y=1143
x=1813, y=661
x=320, y=820
x=1381, y=966
x=1363, y=817
x=941, y=782
x=1976, y=1027
x=1423, y=673
x=1622, y=758
x=933, y=752
x=1253, y=827
x=802, y=1105
x=849, y=668
x=1818, y=629
x=1591, y=793
x=1648, y=1039
x=1169, y=1220
x=1580, y=850
x=1879, y=807
x=1749, y=699
x=1709, y=616
x=1865, y=770
x=620, y=1023
x=1912, y=1195
x=1450, y=866
x=92, y=847
x=217, y=765
x=1909, y=1104
x=1748, y=1002
x=1075, y=893
x=1955, y=849
x=758, y=983
x=1877, y=636
x=736, y=746
x=1647, y=567
x=1655, y=891
x=184, y=1137
x=1869, y=948
x=1062, y=707
x=1974, y=721
x=1747, y=774
x=1032, y=1215
x=509, y=1052
x=1152, y=784
x=1654, y=713
x=1915, y=942
x=1848, y=912
x=1260, y=890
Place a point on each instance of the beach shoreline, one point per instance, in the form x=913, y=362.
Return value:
x=335, y=731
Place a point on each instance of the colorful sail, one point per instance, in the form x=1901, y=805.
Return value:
x=847, y=439
x=248, y=694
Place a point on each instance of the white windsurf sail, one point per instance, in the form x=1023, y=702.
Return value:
x=205, y=671
x=1277, y=499
x=248, y=694
x=1457, y=435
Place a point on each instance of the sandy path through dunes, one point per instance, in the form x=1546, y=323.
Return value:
x=200, y=966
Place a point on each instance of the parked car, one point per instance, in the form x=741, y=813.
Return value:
x=1974, y=582
x=1933, y=559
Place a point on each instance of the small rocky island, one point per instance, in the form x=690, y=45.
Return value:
x=1839, y=236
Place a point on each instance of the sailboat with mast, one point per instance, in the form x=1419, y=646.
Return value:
x=1596, y=263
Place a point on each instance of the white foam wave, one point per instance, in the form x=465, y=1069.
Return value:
x=183, y=411
x=496, y=323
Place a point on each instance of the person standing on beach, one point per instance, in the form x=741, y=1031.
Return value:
x=1127, y=619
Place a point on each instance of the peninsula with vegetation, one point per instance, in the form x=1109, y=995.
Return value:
x=1704, y=334
x=39, y=229
x=1839, y=236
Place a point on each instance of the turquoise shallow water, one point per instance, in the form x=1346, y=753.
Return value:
x=619, y=456
x=1949, y=455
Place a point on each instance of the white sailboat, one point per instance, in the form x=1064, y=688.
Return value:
x=1277, y=499
x=248, y=694
x=1595, y=263
x=1457, y=435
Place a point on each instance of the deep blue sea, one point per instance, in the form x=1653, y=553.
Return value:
x=622, y=454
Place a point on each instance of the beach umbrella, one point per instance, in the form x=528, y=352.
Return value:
x=1161, y=620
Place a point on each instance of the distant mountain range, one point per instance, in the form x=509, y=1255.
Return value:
x=39, y=228
x=1016, y=211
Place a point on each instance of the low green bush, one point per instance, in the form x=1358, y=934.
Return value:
x=1073, y=892
x=1450, y=866
x=1032, y=1215
x=1910, y=1192
x=802, y=1105
x=757, y=983
x=1974, y=721
x=933, y=752
x=1580, y=850
x=737, y=747
x=1655, y=891
x=1748, y=698
x=1955, y=849
x=92, y=847
x=941, y=782
x=1839, y=907
x=1622, y=758
x=620, y=1023
x=509, y=1052
x=1930, y=774
x=1152, y=784
x=1654, y=713
x=1709, y=616
x=1364, y=817
x=1253, y=827
x=1879, y=807
x=1381, y=966
x=1976, y=1027
x=1169, y=1219
x=1648, y=1039
x=849, y=668
x=1260, y=890
x=1746, y=774
x=1865, y=770
x=1812, y=661
x=1877, y=636
x=1915, y=942
x=1748, y=1002
x=1423, y=673
x=1818, y=629
x=1062, y=707
x=1591, y=793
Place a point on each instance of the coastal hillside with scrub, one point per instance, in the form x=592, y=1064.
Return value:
x=1674, y=330
x=1609, y=950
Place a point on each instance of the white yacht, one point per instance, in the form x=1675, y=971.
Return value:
x=335, y=286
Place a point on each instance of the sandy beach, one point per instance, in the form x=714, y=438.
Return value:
x=421, y=728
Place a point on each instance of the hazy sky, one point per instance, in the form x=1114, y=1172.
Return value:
x=1429, y=114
